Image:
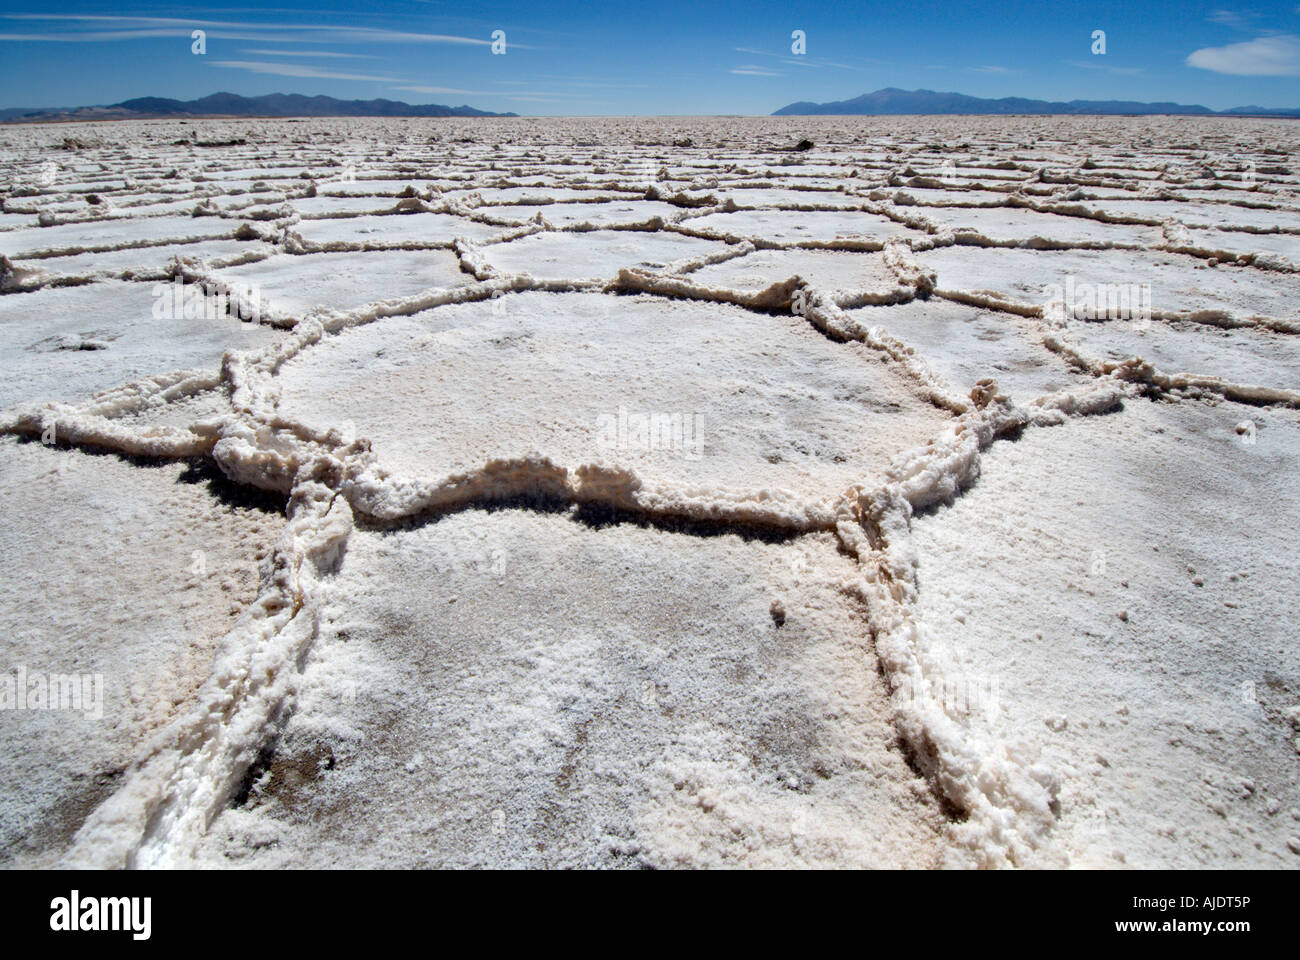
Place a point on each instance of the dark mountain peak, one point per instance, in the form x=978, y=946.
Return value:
x=234, y=105
x=893, y=101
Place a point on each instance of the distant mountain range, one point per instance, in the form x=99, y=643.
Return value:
x=894, y=101
x=888, y=101
x=233, y=105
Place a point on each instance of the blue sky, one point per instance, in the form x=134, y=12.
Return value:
x=670, y=57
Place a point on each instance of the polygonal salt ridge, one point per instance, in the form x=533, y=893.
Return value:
x=822, y=311
x=515, y=311
x=977, y=777
x=584, y=573
x=848, y=279
x=532, y=251
x=66, y=239
x=151, y=851
x=194, y=573
x=1109, y=284
x=17, y=278
x=779, y=228
x=336, y=287
x=151, y=263
x=1136, y=370
x=828, y=323
x=91, y=424
x=1140, y=565
x=412, y=230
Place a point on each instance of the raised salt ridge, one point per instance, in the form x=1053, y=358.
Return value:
x=537, y=493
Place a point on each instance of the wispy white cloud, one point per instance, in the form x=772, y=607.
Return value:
x=1277, y=56
x=994, y=69
x=805, y=62
x=141, y=27
x=1108, y=68
x=1238, y=19
x=420, y=88
x=589, y=83
x=543, y=95
x=800, y=61
x=296, y=70
x=750, y=70
x=310, y=53
x=101, y=36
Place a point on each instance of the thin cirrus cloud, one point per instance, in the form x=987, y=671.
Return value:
x=1122, y=71
x=328, y=54
x=1276, y=56
x=134, y=28
x=539, y=95
x=420, y=88
x=801, y=61
x=1238, y=19
x=101, y=36
x=296, y=70
x=749, y=70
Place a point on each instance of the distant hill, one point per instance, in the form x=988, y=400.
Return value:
x=233, y=105
x=894, y=101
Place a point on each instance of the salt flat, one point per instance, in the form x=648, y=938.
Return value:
x=526, y=492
